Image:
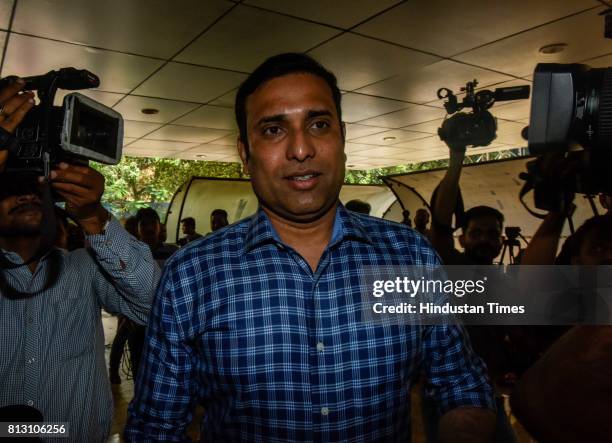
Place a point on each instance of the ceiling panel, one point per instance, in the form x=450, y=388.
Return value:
x=117, y=72
x=360, y=61
x=187, y=134
x=247, y=36
x=154, y=28
x=160, y=145
x=2, y=43
x=422, y=144
x=136, y=129
x=352, y=148
x=449, y=27
x=600, y=62
x=340, y=13
x=516, y=110
x=519, y=55
x=510, y=133
x=131, y=107
x=228, y=140
x=178, y=81
x=226, y=100
x=356, y=107
x=354, y=130
x=389, y=138
x=414, y=114
x=421, y=84
x=210, y=117
x=6, y=8
x=431, y=127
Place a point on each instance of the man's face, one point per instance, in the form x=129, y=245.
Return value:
x=148, y=230
x=482, y=239
x=596, y=249
x=187, y=228
x=217, y=221
x=421, y=218
x=296, y=148
x=20, y=216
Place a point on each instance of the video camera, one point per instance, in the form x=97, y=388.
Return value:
x=571, y=116
x=479, y=127
x=79, y=130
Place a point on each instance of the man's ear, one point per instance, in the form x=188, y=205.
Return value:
x=243, y=152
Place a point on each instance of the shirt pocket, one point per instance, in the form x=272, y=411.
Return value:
x=74, y=324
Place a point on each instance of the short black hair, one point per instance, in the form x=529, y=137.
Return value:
x=279, y=66
x=481, y=212
x=189, y=221
x=147, y=213
x=222, y=212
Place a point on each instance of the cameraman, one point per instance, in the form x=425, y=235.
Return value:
x=51, y=334
x=481, y=236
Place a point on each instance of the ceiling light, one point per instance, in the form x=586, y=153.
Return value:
x=149, y=111
x=555, y=48
x=200, y=155
x=350, y=166
x=388, y=139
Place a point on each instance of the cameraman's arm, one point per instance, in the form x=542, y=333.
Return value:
x=14, y=106
x=128, y=276
x=444, y=206
x=542, y=249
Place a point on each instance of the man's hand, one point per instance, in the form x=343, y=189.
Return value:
x=13, y=107
x=81, y=187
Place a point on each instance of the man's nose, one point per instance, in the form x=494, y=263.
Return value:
x=300, y=146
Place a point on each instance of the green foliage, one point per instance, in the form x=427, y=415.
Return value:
x=139, y=182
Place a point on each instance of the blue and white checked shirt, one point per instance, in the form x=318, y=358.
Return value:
x=277, y=353
x=52, y=344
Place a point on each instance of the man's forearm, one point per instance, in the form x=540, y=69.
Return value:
x=446, y=198
x=542, y=248
x=467, y=425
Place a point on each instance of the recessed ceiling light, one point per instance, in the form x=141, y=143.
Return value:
x=200, y=155
x=149, y=111
x=388, y=139
x=555, y=48
x=350, y=166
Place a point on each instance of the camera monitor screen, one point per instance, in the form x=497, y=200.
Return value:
x=92, y=130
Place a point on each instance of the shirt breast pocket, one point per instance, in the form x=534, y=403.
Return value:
x=74, y=324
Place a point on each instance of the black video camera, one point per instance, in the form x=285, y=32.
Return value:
x=479, y=127
x=79, y=130
x=571, y=115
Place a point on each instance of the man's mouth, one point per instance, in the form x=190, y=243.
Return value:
x=303, y=180
x=303, y=176
x=28, y=207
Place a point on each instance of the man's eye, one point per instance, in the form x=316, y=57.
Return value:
x=321, y=124
x=272, y=130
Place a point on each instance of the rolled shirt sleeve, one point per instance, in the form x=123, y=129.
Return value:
x=131, y=274
x=455, y=375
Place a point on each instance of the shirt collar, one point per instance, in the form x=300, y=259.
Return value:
x=346, y=226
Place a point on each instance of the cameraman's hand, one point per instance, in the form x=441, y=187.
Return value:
x=13, y=107
x=81, y=187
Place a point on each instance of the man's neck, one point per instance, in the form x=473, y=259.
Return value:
x=308, y=239
x=25, y=247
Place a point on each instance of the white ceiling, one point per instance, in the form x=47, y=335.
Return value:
x=187, y=57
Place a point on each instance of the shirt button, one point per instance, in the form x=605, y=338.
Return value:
x=324, y=410
x=30, y=402
x=30, y=320
x=320, y=346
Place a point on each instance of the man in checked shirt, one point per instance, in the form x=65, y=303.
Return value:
x=51, y=335
x=260, y=322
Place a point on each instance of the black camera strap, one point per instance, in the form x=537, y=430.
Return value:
x=47, y=241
